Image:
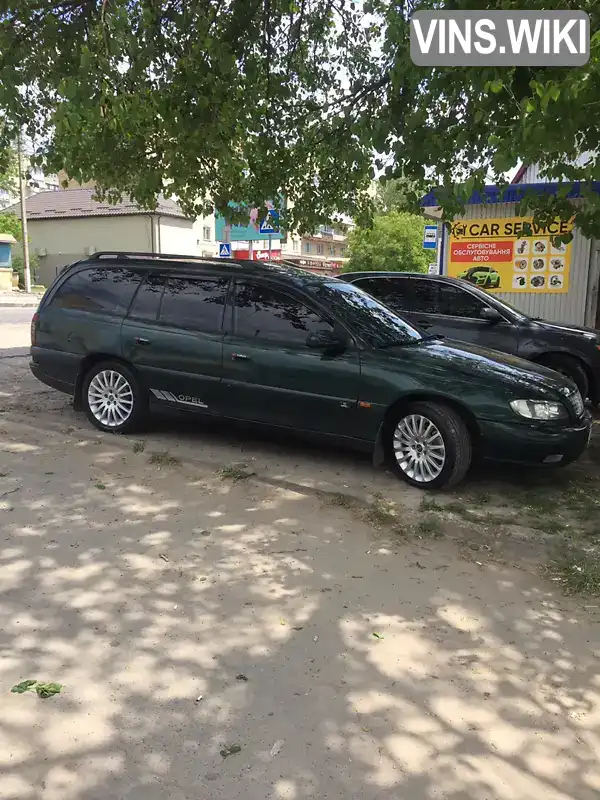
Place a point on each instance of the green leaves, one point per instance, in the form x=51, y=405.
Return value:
x=395, y=242
x=24, y=686
x=227, y=100
x=43, y=690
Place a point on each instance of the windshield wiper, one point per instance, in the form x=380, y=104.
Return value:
x=429, y=337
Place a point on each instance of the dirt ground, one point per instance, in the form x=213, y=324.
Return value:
x=232, y=616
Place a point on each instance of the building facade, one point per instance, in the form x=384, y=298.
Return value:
x=68, y=225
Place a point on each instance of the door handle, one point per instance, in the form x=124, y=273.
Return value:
x=239, y=357
x=141, y=340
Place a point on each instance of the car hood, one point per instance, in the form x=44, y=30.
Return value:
x=577, y=330
x=494, y=367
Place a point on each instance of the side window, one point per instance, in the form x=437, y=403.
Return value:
x=147, y=300
x=425, y=297
x=265, y=313
x=455, y=302
x=194, y=303
x=102, y=290
x=394, y=292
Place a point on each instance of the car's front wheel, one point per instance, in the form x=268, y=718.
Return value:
x=429, y=445
x=112, y=398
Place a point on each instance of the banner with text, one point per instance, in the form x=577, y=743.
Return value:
x=510, y=254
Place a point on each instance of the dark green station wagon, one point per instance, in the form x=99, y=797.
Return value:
x=124, y=332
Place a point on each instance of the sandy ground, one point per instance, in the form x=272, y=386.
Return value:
x=186, y=614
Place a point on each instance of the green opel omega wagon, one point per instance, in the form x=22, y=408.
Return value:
x=274, y=345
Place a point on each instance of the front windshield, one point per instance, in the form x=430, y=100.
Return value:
x=374, y=322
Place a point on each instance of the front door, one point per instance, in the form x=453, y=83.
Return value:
x=173, y=335
x=455, y=313
x=271, y=376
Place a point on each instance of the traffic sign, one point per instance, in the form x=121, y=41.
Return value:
x=270, y=223
x=433, y=269
x=225, y=250
x=430, y=237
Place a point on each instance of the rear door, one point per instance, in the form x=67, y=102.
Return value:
x=81, y=317
x=173, y=335
x=271, y=376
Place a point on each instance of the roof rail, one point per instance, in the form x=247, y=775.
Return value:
x=152, y=256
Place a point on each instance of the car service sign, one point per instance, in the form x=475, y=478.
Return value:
x=510, y=254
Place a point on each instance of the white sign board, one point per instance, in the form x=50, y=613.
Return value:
x=430, y=234
x=433, y=269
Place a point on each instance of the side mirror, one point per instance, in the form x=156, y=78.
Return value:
x=490, y=314
x=326, y=340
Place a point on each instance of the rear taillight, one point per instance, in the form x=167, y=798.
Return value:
x=34, y=320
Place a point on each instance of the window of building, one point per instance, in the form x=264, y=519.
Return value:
x=307, y=247
x=331, y=250
x=206, y=233
x=265, y=313
x=103, y=290
x=319, y=249
x=194, y=303
x=295, y=245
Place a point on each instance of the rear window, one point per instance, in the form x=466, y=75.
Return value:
x=101, y=290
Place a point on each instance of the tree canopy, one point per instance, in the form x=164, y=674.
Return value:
x=246, y=100
x=393, y=242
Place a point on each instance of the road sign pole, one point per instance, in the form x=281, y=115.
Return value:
x=270, y=245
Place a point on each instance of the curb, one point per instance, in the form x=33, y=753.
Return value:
x=18, y=305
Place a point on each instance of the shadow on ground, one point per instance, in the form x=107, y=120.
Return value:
x=185, y=615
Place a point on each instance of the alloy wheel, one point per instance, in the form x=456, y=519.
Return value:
x=110, y=398
x=419, y=448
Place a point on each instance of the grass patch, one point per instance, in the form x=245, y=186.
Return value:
x=139, y=447
x=340, y=500
x=234, y=472
x=429, y=504
x=99, y=485
x=429, y=526
x=163, y=460
x=577, y=570
x=379, y=514
x=456, y=507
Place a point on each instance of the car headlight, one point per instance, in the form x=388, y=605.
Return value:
x=539, y=409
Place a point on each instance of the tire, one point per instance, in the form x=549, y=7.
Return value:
x=113, y=399
x=450, y=445
x=570, y=368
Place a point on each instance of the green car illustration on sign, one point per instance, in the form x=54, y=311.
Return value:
x=486, y=277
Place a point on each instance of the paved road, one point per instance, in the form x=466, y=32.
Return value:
x=15, y=316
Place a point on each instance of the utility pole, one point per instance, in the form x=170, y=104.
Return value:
x=23, y=215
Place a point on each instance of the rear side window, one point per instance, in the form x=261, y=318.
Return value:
x=394, y=292
x=147, y=300
x=194, y=303
x=425, y=297
x=101, y=290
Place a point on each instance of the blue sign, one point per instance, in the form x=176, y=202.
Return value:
x=270, y=224
x=430, y=237
x=225, y=250
x=246, y=233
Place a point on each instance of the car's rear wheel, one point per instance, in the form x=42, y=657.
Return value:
x=429, y=446
x=570, y=368
x=113, y=399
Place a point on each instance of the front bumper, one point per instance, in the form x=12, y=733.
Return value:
x=535, y=443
